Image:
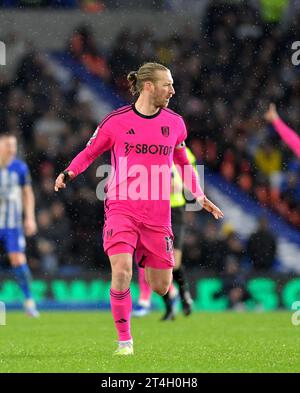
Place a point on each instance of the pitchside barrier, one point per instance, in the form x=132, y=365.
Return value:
x=265, y=292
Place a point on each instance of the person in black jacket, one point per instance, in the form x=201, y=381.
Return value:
x=261, y=246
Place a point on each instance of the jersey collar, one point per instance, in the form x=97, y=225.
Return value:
x=145, y=116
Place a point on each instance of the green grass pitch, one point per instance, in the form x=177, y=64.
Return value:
x=203, y=342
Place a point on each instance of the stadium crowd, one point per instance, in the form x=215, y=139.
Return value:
x=225, y=75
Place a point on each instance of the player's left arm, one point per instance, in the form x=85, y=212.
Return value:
x=190, y=180
x=30, y=226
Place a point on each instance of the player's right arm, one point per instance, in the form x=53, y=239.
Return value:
x=102, y=140
x=288, y=135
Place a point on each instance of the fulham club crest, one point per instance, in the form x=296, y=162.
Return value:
x=169, y=243
x=165, y=131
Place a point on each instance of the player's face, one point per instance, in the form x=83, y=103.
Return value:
x=163, y=89
x=9, y=147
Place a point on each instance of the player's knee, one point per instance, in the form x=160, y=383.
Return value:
x=122, y=271
x=161, y=288
x=122, y=275
x=17, y=259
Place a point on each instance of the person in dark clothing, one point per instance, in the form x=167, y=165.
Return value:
x=261, y=246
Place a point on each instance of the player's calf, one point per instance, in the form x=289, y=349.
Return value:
x=22, y=274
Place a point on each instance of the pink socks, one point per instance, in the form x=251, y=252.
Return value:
x=121, y=306
x=145, y=290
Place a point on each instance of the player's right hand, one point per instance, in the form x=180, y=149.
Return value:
x=60, y=181
x=271, y=113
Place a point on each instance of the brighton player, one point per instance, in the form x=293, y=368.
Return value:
x=16, y=195
x=146, y=135
x=288, y=135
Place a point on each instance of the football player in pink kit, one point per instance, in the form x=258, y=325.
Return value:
x=289, y=136
x=149, y=135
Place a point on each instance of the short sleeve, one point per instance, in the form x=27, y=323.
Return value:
x=182, y=131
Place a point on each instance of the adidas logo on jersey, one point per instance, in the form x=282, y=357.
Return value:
x=131, y=131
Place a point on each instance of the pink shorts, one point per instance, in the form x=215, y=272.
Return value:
x=153, y=245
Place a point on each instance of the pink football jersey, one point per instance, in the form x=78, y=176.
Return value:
x=142, y=151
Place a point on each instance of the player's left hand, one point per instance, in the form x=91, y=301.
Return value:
x=30, y=227
x=210, y=207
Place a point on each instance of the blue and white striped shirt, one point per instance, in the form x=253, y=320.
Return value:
x=12, y=179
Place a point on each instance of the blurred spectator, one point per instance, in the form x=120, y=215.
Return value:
x=46, y=243
x=273, y=10
x=84, y=48
x=234, y=248
x=50, y=132
x=290, y=189
x=261, y=246
x=213, y=249
x=269, y=162
x=234, y=284
x=62, y=229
